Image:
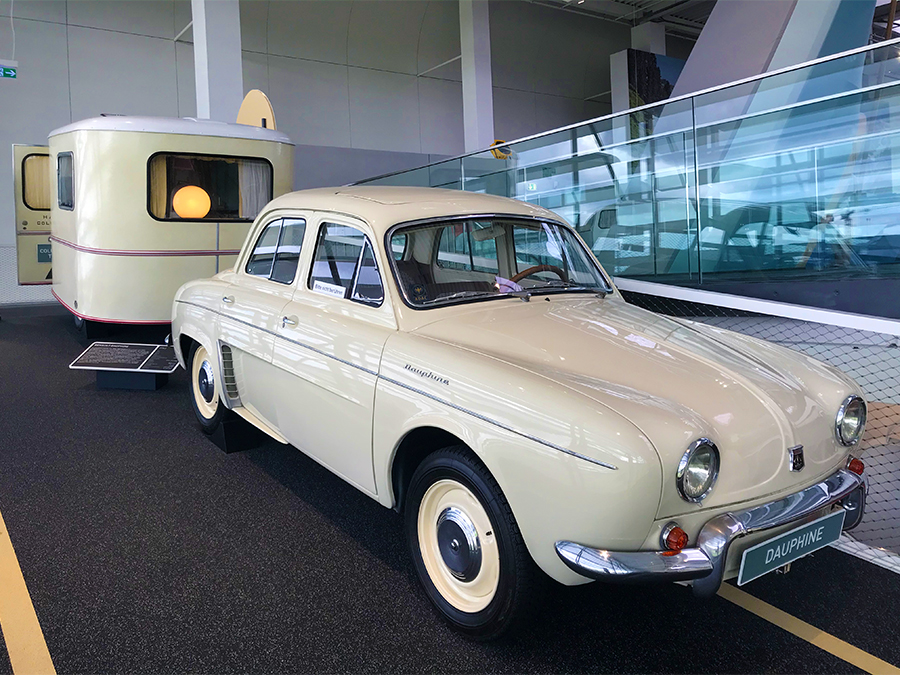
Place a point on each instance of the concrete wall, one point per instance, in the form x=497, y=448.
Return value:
x=353, y=83
x=546, y=62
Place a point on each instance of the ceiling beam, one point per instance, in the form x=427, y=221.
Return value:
x=665, y=11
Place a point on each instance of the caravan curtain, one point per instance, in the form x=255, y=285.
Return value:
x=158, y=187
x=256, y=186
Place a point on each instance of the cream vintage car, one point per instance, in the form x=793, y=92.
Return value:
x=464, y=359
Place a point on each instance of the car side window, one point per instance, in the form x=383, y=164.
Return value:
x=260, y=262
x=367, y=288
x=288, y=254
x=344, y=266
x=277, y=251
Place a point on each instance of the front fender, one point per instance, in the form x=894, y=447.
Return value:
x=553, y=495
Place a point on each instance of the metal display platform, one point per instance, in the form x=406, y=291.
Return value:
x=124, y=365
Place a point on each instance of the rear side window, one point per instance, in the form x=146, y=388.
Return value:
x=260, y=263
x=64, y=187
x=277, y=251
x=344, y=266
x=288, y=254
x=36, y=182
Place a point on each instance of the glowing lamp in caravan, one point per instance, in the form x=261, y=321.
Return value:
x=191, y=202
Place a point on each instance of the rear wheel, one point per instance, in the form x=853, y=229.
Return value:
x=204, y=390
x=466, y=545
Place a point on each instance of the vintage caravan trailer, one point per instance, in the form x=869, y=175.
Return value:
x=140, y=205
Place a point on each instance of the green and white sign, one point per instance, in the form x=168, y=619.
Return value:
x=774, y=553
x=44, y=253
x=9, y=69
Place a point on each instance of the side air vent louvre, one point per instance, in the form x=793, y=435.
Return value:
x=230, y=381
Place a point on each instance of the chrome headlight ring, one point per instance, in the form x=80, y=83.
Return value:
x=841, y=415
x=685, y=464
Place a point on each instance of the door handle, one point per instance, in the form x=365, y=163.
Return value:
x=288, y=321
x=228, y=299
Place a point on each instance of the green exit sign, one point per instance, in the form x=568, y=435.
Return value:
x=9, y=69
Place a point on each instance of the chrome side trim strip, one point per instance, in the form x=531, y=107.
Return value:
x=417, y=391
x=500, y=424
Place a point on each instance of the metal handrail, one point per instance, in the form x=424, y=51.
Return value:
x=658, y=104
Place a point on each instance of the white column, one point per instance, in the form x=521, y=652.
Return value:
x=478, y=93
x=218, y=73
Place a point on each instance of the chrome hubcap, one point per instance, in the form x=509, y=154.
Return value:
x=459, y=544
x=205, y=382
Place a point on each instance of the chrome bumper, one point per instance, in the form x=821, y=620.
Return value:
x=705, y=564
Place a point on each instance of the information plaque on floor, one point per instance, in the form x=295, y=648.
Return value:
x=124, y=365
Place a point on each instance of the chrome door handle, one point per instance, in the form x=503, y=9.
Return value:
x=228, y=299
x=286, y=321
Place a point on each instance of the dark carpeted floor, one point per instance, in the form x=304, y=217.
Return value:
x=147, y=549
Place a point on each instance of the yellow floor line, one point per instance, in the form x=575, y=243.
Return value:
x=819, y=638
x=25, y=643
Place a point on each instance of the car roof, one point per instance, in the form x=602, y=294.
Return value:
x=385, y=206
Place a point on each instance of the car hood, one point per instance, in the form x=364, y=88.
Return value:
x=676, y=381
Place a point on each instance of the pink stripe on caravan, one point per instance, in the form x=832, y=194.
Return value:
x=93, y=318
x=141, y=254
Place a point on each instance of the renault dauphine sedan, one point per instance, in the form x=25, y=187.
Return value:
x=465, y=360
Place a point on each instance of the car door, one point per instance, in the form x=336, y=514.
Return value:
x=328, y=351
x=251, y=310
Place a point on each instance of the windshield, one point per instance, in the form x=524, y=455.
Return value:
x=463, y=260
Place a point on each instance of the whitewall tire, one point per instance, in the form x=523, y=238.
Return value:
x=205, y=396
x=466, y=545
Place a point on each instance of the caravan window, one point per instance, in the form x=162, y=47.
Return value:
x=65, y=195
x=207, y=187
x=36, y=182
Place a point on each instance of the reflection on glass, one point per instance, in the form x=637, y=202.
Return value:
x=790, y=176
x=482, y=259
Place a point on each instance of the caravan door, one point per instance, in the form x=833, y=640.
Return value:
x=31, y=187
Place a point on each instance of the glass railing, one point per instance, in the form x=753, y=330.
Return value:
x=787, y=176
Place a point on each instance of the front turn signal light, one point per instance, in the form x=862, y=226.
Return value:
x=856, y=466
x=674, y=538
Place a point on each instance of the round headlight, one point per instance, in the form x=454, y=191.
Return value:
x=698, y=470
x=850, y=420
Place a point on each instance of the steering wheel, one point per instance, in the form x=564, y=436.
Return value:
x=541, y=268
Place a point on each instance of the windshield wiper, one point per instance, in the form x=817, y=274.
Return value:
x=461, y=294
x=566, y=287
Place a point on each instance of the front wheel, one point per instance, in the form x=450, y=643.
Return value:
x=204, y=390
x=466, y=545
